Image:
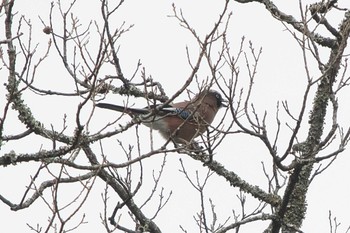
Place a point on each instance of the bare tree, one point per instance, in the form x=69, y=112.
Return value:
x=72, y=155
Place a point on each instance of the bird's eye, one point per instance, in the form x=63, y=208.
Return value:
x=218, y=96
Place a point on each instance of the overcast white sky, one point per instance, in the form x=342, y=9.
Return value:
x=160, y=43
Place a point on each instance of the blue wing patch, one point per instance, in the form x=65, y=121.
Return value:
x=184, y=114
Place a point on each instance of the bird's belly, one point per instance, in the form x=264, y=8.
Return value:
x=180, y=130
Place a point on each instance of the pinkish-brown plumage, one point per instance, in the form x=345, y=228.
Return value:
x=181, y=121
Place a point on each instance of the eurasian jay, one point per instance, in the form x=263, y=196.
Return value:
x=181, y=121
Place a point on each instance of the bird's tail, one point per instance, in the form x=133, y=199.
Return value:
x=131, y=111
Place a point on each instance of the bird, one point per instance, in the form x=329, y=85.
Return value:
x=180, y=122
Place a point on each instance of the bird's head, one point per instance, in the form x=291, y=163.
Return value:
x=216, y=98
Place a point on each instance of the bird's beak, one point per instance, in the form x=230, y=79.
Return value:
x=224, y=103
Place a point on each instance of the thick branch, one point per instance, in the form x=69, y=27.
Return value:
x=297, y=25
x=236, y=181
x=293, y=207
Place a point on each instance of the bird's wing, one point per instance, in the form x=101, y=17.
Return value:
x=167, y=110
